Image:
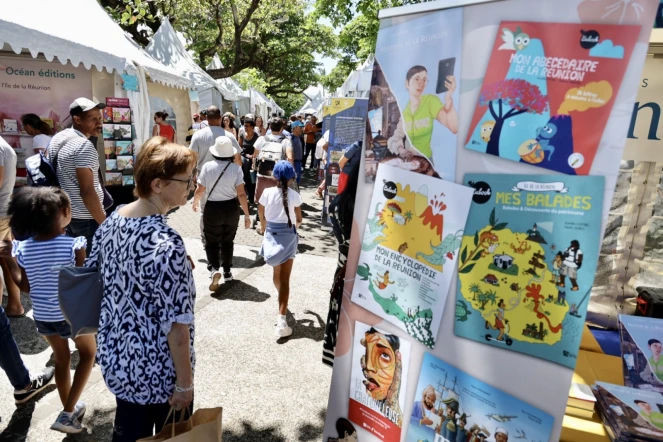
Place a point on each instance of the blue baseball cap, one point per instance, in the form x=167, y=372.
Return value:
x=297, y=124
x=283, y=170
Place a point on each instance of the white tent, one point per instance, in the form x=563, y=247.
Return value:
x=358, y=83
x=168, y=48
x=56, y=29
x=316, y=97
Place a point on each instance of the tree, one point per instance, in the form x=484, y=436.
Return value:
x=486, y=297
x=506, y=99
x=358, y=36
x=255, y=79
x=279, y=39
x=475, y=289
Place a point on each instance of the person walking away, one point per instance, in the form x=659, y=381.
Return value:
x=40, y=131
x=45, y=212
x=260, y=126
x=146, y=329
x=76, y=164
x=278, y=207
x=247, y=141
x=351, y=156
x=229, y=124
x=162, y=128
x=193, y=128
x=297, y=148
x=309, y=138
x=341, y=215
x=222, y=182
x=14, y=308
x=322, y=147
x=270, y=149
x=203, y=119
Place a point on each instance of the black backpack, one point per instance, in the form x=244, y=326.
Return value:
x=41, y=171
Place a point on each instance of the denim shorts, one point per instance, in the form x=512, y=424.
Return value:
x=60, y=328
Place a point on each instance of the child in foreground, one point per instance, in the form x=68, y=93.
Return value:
x=278, y=206
x=43, y=213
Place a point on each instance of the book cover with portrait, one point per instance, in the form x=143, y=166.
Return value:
x=378, y=381
x=109, y=149
x=641, y=345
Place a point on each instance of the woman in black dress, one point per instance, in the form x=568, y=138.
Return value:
x=246, y=141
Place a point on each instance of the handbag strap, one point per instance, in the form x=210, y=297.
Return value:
x=217, y=180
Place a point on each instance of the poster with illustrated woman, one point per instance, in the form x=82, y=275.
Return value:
x=414, y=95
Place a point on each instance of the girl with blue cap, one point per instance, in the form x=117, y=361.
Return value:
x=278, y=207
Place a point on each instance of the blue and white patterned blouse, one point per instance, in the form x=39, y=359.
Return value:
x=148, y=286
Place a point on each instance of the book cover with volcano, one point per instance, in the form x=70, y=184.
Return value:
x=548, y=92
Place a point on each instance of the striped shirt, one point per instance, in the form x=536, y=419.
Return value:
x=42, y=261
x=77, y=153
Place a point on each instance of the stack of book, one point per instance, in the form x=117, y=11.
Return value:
x=581, y=401
x=630, y=414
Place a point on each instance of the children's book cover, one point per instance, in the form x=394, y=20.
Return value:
x=527, y=262
x=631, y=413
x=122, y=131
x=641, y=339
x=9, y=125
x=378, y=381
x=108, y=114
x=117, y=115
x=111, y=165
x=108, y=132
x=548, y=92
x=124, y=148
x=127, y=180
x=109, y=149
x=113, y=179
x=410, y=249
x=452, y=406
x=125, y=115
x=125, y=162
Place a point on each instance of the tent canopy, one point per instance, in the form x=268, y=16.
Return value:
x=358, y=83
x=229, y=88
x=167, y=47
x=56, y=29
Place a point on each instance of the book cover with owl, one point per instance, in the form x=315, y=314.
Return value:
x=527, y=262
x=548, y=92
x=409, y=249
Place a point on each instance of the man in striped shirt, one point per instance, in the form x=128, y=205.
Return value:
x=76, y=163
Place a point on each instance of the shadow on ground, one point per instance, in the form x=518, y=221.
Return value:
x=305, y=328
x=239, y=291
x=19, y=423
x=306, y=432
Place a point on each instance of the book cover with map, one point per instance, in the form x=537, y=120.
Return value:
x=548, y=92
x=630, y=414
x=378, y=381
x=641, y=345
x=450, y=405
x=527, y=262
x=410, y=249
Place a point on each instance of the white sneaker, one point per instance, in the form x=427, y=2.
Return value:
x=227, y=277
x=282, y=330
x=216, y=277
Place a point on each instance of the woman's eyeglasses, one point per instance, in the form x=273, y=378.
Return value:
x=188, y=182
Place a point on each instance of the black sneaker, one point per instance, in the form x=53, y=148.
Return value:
x=39, y=382
x=227, y=276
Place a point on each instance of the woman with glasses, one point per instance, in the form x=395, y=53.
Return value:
x=247, y=140
x=161, y=128
x=221, y=182
x=146, y=327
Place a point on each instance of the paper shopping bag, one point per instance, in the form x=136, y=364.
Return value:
x=204, y=426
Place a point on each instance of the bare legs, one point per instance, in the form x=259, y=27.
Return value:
x=87, y=347
x=282, y=284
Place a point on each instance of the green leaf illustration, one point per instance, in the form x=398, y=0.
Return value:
x=476, y=238
x=491, y=220
x=467, y=269
x=500, y=226
x=477, y=257
x=463, y=255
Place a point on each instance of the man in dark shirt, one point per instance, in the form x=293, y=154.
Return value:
x=350, y=158
x=297, y=148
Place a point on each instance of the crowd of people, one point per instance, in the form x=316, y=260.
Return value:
x=145, y=340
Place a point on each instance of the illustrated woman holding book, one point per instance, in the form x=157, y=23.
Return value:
x=161, y=128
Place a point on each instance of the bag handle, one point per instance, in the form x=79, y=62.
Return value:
x=217, y=180
x=171, y=413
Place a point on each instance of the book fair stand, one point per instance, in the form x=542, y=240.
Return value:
x=492, y=151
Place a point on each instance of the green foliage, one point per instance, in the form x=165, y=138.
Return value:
x=278, y=38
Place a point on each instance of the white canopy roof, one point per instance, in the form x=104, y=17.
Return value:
x=167, y=47
x=358, y=83
x=230, y=89
x=78, y=31
x=316, y=97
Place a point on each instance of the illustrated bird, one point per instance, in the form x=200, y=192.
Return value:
x=514, y=41
x=487, y=130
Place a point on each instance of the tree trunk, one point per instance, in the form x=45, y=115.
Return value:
x=494, y=143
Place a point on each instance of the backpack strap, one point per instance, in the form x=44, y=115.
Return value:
x=54, y=162
x=217, y=180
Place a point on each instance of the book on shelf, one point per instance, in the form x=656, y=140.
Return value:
x=108, y=114
x=581, y=396
x=113, y=179
x=9, y=125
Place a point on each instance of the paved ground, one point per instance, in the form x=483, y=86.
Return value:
x=259, y=381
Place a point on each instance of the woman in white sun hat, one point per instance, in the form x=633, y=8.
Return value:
x=221, y=183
